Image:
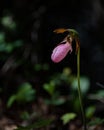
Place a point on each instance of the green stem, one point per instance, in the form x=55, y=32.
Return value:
x=79, y=89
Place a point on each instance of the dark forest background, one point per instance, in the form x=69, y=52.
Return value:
x=27, y=41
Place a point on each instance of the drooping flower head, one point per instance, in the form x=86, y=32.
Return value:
x=64, y=47
x=61, y=51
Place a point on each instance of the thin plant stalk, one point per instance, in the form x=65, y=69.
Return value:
x=79, y=89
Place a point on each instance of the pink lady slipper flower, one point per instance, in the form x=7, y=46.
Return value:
x=61, y=51
x=65, y=46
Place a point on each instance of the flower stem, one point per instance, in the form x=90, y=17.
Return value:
x=79, y=89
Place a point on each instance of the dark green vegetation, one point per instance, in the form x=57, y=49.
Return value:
x=36, y=93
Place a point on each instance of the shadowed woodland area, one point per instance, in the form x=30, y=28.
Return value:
x=35, y=93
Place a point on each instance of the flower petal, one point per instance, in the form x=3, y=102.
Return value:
x=60, y=52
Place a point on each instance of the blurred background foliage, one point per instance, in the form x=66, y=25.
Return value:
x=27, y=75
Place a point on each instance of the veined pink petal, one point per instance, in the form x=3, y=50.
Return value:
x=60, y=52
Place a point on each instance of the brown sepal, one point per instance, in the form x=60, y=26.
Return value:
x=60, y=30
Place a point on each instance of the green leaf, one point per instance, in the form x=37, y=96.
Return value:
x=38, y=124
x=25, y=93
x=11, y=100
x=84, y=84
x=66, y=71
x=9, y=47
x=2, y=47
x=8, y=22
x=50, y=88
x=18, y=43
x=68, y=117
x=99, y=95
x=2, y=37
x=96, y=121
x=90, y=111
x=25, y=115
x=76, y=104
x=58, y=101
x=48, y=101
